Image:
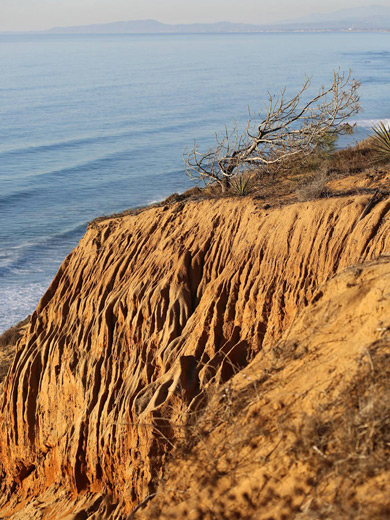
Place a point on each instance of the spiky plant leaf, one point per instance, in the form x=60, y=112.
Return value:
x=381, y=141
x=242, y=185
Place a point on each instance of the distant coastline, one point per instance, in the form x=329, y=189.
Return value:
x=367, y=19
x=172, y=33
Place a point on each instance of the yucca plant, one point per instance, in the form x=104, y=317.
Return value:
x=242, y=185
x=381, y=142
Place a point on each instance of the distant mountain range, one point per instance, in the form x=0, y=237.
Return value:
x=374, y=17
x=154, y=27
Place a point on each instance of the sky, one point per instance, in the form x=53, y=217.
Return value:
x=21, y=15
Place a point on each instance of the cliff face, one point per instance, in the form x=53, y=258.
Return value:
x=143, y=316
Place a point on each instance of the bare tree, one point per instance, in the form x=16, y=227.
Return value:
x=292, y=128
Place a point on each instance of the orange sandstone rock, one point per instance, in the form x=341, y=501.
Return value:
x=144, y=315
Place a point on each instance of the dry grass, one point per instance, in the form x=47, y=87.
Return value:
x=351, y=160
x=308, y=178
x=314, y=187
x=343, y=446
x=349, y=442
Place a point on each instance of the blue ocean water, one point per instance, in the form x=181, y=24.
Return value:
x=91, y=125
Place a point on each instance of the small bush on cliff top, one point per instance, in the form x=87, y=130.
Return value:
x=314, y=187
x=243, y=185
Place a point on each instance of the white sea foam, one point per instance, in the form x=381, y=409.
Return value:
x=23, y=245
x=370, y=123
x=18, y=302
x=155, y=201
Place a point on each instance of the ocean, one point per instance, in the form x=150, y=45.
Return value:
x=92, y=125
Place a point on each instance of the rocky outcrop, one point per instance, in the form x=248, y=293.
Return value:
x=143, y=316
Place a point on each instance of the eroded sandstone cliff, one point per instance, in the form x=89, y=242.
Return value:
x=147, y=314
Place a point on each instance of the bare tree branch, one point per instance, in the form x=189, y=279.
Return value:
x=291, y=128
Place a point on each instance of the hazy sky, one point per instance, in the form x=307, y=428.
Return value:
x=43, y=14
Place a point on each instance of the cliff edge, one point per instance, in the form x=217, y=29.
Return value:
x=151, y=315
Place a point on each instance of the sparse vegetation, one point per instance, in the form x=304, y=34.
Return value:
x=349, y=441
x=219, y=466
